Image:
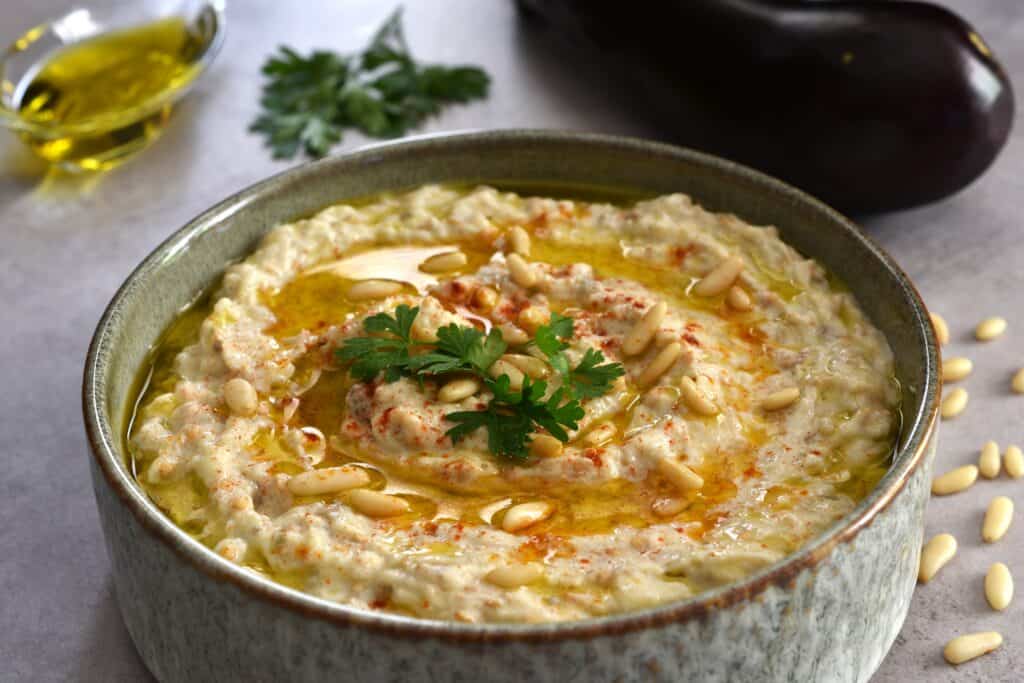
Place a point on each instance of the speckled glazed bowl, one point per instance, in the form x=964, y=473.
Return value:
x=827, y=613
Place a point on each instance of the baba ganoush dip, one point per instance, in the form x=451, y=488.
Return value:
x=286, y=421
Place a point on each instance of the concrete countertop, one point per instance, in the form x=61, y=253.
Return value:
x=67, y=243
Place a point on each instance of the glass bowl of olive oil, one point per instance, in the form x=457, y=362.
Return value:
x=88, y=90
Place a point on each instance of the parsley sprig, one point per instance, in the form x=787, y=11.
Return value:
x=460, y=348
x=381, y=90
x=591, y=377
x=511, y=416
x=390, y=353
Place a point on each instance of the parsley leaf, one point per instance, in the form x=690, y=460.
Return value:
x=388, y=354
x=382, y=91
x=508, y=432
x=461, y=348
x=512, y=416
x=592, y=377
x=548, y=339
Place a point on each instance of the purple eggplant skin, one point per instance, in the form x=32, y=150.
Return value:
x=871, y=106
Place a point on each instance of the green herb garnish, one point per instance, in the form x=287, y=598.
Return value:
x=592, y=376
x=511, y=416
x=382, y=91
x=461, y=348
x=388, y=354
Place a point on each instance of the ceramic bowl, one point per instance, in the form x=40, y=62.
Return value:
x=826, y=613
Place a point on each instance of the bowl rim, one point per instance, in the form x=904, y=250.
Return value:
x=919, y=420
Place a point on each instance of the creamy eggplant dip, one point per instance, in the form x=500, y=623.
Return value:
x=471, y=405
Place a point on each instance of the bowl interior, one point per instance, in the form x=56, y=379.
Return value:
x=195, y=256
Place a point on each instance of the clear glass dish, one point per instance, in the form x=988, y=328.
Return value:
x=87, y=132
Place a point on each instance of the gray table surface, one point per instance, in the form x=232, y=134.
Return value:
x=67, y=243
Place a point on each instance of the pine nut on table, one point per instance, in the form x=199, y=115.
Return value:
x=954, y=403
x=965, y=648
x=997, y=519
x=990, y=461
x=941, y=328
x=1013, y=461
x=934, y=556
x=999, y=586
x=955, y=480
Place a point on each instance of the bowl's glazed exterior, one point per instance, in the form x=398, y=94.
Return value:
x=827, y=613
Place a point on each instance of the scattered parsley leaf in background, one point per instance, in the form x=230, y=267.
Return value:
x=382, y=91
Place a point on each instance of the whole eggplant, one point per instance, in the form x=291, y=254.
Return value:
x=872, y=106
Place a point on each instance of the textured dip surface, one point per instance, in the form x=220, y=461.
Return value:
x=775, y=412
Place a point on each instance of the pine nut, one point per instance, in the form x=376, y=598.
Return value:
x=442, y=263
x=989, y=329
x=999, y=586
x=997, y=519
x=644, y=329
x=783, y=398
x=738, y=299
x=720, y=278
x=376, y=504
x=941, y=328
x=600, y=435
x=240, y=397
x=513, y=335
x=531, y=318
x=965, y=648
x=514, y=576
x=989, y=462
x=373, y=289
x=519, y=241
x=534, y=368
x=956, y=368
x=458, y=389
x=679, y=475
x=518, y=517
x=1013, y=461
x=288, y=408
x=545, y=446
x=934, y=556
x=484, y=298
x=695, y=399
x=663, y=338
x=661, y=364
x=954, y=403
x=328, y=480
x=668, y=507
x=955, y=481
x=520, y=271
x=1017, y=383
x=515, y=375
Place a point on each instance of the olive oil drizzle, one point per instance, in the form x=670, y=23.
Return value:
x=316, y=300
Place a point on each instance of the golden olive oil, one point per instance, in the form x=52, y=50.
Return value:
x=318, y=298
x=107, y=97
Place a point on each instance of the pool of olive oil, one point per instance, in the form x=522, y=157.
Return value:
x=106, y=98
x=308, y=300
